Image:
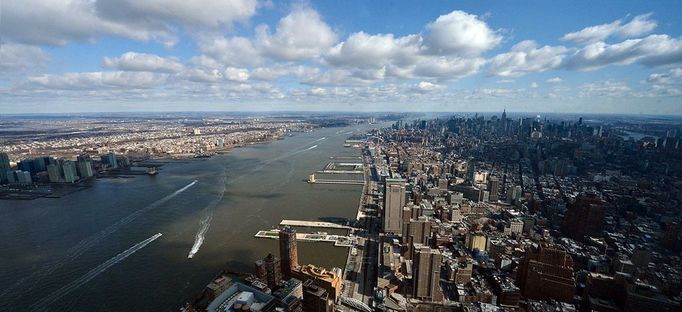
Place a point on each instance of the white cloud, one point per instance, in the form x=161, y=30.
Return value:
x=459, y=33
x=59, y=22
x=236, y=74
x=534, y=85
x=202, y=75
x=206, y=13
x=427, y=87
x=234, y=51
x=670, y=77
x=525, y=57
x=639, y=25
x=448, y=68
x=98, y=80
x=301, y=34
x=132, y=61
x=652, y=50
x=608, y=88
x=375, y=51
x=20, y=57
x=277, y=71
x=554, y=80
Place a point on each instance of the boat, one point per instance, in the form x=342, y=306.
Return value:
x=152, y=171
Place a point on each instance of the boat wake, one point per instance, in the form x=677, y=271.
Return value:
x=85, y=244
x=312, y=147
x=58, y=294
x=206, y=221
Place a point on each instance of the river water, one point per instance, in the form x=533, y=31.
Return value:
x=97, y=249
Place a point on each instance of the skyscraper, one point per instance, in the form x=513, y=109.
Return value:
x=426, y=274
x=493, y=188
x=84, y=166
x=471, y=171
x=394, y=200
x=4, y=166
x=69, y=171
x=547, y=273
x=585, y=216
x=110, y=159
x=261, y=271
x=288, y=251
x=54, y=172
x=420, y=230
x=273, y=272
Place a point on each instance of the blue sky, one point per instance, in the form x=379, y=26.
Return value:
x=250, y=55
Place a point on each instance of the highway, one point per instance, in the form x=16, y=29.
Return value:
x=360, y=274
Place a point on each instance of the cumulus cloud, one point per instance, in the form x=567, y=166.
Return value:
x=427, y=87
x=459, y=33
x=277, y=71
x=652, y=50
x=672, y=76
x=132, y=61
x=236, y=74
x=58, y=22
x=212, y=13
x=525, y=57
x=375, y=51
x=234, y=51
x=445, y=68
x=299, y=35
x=20, y=57
x=554, y=80
x=448, y=49
x=638, y=26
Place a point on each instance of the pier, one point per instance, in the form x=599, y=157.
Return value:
x=338, y=240
x=317, y=224
x=313, y=180
x=340, y=171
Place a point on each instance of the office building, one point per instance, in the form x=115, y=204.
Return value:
x=261, y=271
x=547, y=273
x=493, y=189
x=240, y=297
x=110, y=160
x=476, y=241
x=394, y=200
x=4, y=166
x=84, y=166
x=54, y=173
x=316, y=298
x=426, y=274
x=419, y=230
x=331, y=281
x=273, y=273
x=288, y=251
x=471, y=171
x=585, y=216
x=69, y=171
x=18, y=177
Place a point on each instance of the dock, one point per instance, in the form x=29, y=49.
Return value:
x=317, y=224
x=339, y=171
x=338, y=240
